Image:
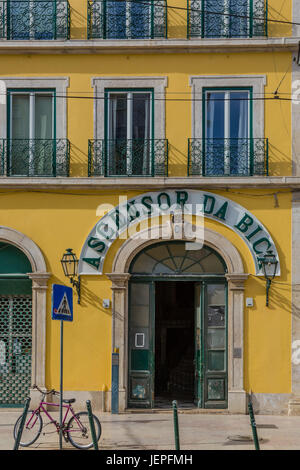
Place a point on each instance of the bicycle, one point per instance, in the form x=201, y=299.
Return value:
x=76, y=431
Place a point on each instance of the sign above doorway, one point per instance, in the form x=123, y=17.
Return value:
x=119, y=219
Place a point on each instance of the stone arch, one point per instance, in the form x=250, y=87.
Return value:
x=236, y=278
x=39, y=277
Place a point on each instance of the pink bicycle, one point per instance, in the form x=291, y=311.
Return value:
x=76, y=430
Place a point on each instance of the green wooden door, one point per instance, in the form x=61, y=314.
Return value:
x=141, y=345
x=211, y=376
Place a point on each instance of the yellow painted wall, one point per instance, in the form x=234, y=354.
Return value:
x=177, y=68
x=56, y=221
x=61, y=219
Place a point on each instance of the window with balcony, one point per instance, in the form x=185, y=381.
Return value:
x=227, y=18
x=228, y=127
x=31, y=147
x=34, y=19
x=115, y=19
x=129, y=147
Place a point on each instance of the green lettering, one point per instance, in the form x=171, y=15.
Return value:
x=167, y=198
x=96, y=244
x=258, y=242
x=94, y=262
x=258, y=229
x=132, y=217
x=244, y=223
x=209, y=210
x=182, y=197
x=145, y=199
x=221, y=213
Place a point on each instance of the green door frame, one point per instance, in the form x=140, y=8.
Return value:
x=199, y=365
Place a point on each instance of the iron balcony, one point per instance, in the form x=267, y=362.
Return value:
x=34, y=20
x=228, y=157
x=112, y=19
x=123, y=157
x=35, y=157
x=227, y=18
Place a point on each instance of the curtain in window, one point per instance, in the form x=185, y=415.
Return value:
x=226, y=144
x=214, y=145
x=129, y=147
x=240, y=144
x=32, y=146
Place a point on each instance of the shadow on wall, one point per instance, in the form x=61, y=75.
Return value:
x=279, y=163
x=78, y=25
x=177, y=24
x=278, y=29
x=78, y=162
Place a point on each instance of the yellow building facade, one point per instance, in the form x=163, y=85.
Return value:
x=159, y=142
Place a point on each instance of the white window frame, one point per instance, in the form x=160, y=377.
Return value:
x=257, y=82
x=59, y=84
x=158, y=84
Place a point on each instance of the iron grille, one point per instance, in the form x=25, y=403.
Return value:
x=109, y=19
x=227, y=18
x=35, y=20
x=35, y=157
x=136, y=157
x=228, y=157
x=15, y=348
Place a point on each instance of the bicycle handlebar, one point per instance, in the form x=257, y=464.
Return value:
x=45, y=392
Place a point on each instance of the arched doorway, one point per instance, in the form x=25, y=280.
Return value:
x=15, y=325
x=177, y=327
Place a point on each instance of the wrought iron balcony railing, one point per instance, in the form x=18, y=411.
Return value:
x=35, y=157
x=227, y=18
x=34, y=20
x=228, y=157
x=112, y=19
x=122, y=157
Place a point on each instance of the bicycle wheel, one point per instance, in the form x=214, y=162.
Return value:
x=79, y=431
x=32, y=428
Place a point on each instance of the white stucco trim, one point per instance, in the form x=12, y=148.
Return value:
x=236, y=277
x=257, y=82
x=60, y=84
x=157, y=83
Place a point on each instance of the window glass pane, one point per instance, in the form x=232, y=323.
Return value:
x=116, y=19
x=139, y=299
x=239, y=114
x=140, y=19
x=20, y=116
x=216, y=360
x=215, y=119
x=213, y=18
x=118, y=116
x=215, y=338
x=239, y=20
x=141, y=116
x=143, y=264
x=43, y=116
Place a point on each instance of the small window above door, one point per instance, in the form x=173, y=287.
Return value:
x=177, y=258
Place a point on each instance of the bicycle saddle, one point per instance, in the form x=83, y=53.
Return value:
x=71, y=400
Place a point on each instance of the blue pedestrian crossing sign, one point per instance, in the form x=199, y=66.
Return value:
x=62, y=302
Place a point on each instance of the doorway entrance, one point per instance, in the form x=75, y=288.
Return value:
x=174, y=342
x=177, y=327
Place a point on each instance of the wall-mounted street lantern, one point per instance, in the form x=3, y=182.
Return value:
x=69, y=264
x=269, y=264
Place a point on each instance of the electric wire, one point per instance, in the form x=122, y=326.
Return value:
x=196, y=10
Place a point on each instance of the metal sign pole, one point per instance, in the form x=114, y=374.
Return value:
x=61, y=384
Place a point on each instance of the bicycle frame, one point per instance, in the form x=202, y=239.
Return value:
x=41, y=408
